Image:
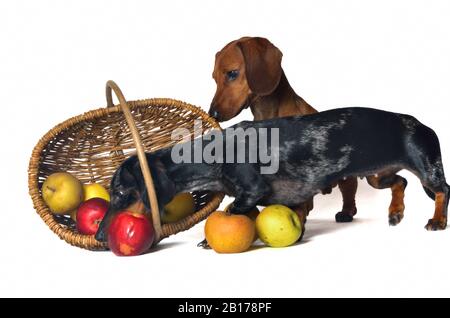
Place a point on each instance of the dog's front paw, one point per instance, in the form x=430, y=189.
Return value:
x=343, y=217
x=395, y=218
x=204, y=244
x=436, y=225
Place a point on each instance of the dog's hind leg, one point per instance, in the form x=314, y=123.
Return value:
x=397, y=185
x=439, y=220
x=302, y=211
x=433, y=181
x=348, y=189
x=434, y=185
x=425, y=162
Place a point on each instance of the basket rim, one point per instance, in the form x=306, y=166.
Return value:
x=88, y=241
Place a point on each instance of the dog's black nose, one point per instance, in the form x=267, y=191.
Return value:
x=100, y=235
x=214, y=114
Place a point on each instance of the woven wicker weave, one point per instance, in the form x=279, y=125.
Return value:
x=91, y=146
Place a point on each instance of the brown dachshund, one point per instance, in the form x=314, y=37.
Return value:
x=248, y=73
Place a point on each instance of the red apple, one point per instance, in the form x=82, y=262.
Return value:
x=89, y=215
x=130, y=234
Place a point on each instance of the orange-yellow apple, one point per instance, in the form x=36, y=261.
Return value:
x=229, y=233
x=253, y=214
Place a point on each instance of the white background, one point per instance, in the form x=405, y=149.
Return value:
x=55, y=57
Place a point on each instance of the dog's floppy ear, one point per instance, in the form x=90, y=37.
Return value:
x=164, y=187
x=124, y=191
x=262, y=64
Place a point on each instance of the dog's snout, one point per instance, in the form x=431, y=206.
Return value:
x=100, y=235
x=214, y=113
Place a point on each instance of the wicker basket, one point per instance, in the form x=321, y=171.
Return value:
x=91, y=146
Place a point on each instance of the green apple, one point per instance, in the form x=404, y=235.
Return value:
x=62, y=192
x=278, y=226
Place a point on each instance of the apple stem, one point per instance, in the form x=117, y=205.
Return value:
x=51, y=189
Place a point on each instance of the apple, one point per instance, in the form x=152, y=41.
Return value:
x=130, y=234
x=278, y=226
x=62, y=192
x=253, y=214
x=182, y=205
x=95, y=190
x=229, y=233
x=89, y=215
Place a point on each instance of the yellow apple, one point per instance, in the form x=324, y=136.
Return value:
x=95, y=190
x=62, y=192
x=181, y=206
x=278, y=226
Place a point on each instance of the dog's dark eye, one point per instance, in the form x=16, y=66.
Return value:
x=232, y=75
x=122, y=197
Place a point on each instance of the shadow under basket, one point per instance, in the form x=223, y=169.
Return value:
x=91, y=147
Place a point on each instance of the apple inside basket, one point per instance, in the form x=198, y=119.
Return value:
x=91, y=147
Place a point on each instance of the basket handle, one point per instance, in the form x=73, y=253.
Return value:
x=112, y=86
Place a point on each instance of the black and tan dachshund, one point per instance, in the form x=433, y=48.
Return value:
x=314, y=151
